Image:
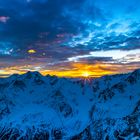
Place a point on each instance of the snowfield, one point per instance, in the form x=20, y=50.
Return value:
x=39, y=107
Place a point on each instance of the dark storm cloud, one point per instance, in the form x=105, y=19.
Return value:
x=27, y=19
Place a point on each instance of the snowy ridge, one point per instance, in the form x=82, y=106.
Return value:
x=33, y=106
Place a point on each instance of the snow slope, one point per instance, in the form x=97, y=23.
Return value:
x=33, y=106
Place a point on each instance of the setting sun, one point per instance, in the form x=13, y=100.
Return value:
x=86, y=74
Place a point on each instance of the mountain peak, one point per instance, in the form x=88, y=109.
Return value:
x=31, y=74
x=137, y=71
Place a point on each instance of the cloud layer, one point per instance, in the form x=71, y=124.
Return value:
x=65, y=33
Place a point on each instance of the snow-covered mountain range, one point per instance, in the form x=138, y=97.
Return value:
x=36, y=107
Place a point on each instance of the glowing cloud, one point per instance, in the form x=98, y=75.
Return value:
x=31, y=51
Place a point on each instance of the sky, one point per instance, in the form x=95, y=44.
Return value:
x=69, y=38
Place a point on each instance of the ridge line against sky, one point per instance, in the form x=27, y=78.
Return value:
x=69, y=38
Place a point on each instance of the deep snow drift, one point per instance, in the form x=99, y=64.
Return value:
x=33, y=106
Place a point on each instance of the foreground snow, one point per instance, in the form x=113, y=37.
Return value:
x=36, y=107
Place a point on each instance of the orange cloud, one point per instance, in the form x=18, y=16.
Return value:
x=74, y=70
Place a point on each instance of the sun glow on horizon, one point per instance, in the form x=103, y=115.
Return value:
x=86, y=74
x=76, y=70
